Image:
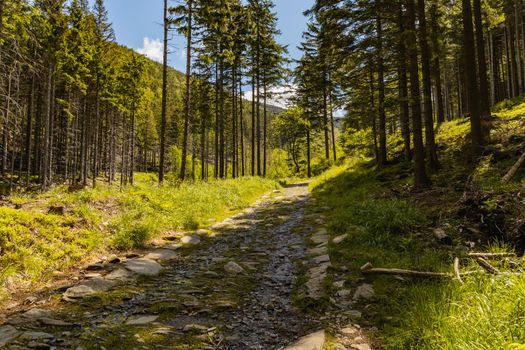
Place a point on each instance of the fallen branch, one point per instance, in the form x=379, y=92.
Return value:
x=510, y=174
x=491, y=255
x=456, y=270
x=487, y=266
x=368, y=269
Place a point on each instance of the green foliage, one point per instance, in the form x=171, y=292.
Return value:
x=32, y=244
x=280, y=167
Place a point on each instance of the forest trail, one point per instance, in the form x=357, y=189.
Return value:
x=233, y=289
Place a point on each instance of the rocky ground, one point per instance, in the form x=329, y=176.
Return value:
x=253, y=281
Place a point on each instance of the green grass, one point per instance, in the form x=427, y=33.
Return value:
x=34, y=243
x=487, y=312
x=394, y=229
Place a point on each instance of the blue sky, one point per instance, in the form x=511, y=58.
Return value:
x=137, y=24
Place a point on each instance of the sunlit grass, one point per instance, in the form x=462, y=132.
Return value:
x=487, y=312
x=34, y=243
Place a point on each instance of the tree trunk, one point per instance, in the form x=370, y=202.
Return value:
x=421, y=179
x=187, y=97
x=332, y=124
x=482, y=62
x=404, y=113
x=382, y=155
x=436, y=62
x=430, y=139
x=164, y=94
x=469, y=55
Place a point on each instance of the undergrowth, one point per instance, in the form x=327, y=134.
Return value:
x=390, y=227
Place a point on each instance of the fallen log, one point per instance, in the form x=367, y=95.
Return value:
x=456, y=270
x=487, y=266
x=491, y=255
x=368, y=269
x=512, y=171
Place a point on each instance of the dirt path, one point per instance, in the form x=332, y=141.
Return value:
x=233, y=289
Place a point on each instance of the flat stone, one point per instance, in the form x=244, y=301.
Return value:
x=364, y=291
x=314, y=341
x=322, y=259
x=319, y=270
x=318, y=251
x=233, y=268
x=161, y=254
x=314, y=287
x=361, y=347
x=144, y=267
x=339, y=239
x=119, y=274
x=91, y=287
x=8, y=334
x=53, y=322
x=113, y=259
x=202, y=232
x=95, y=267
x=37, y=313
x=36, y=336
x=92, y=275
x=174, y=246
x=190, y=239
x=141, y=320
x=39, y=346
x=349, y=330
x=321, y=236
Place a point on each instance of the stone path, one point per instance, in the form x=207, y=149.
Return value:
x=228, y=288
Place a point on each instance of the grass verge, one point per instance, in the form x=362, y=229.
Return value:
x=53, y=231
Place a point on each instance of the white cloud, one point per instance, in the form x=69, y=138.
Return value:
x=152, y=48
x=280, y=96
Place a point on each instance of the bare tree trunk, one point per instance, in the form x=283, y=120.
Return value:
x=382, y=155
x=164, y=94
x=421, y=179
x=469, y=54
x=430, y=139
x=482, y=62
x=332, y=124
x=404, y=112
x=187, y=98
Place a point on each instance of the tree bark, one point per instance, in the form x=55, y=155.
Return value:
x=421, y=178
x=469, y=55
x=187, y=96
x=404, y=110
x=164, y=95
x=431, y=148
x=482, y=62
x=382, y=155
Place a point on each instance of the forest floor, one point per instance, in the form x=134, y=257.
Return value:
x=236, y=285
